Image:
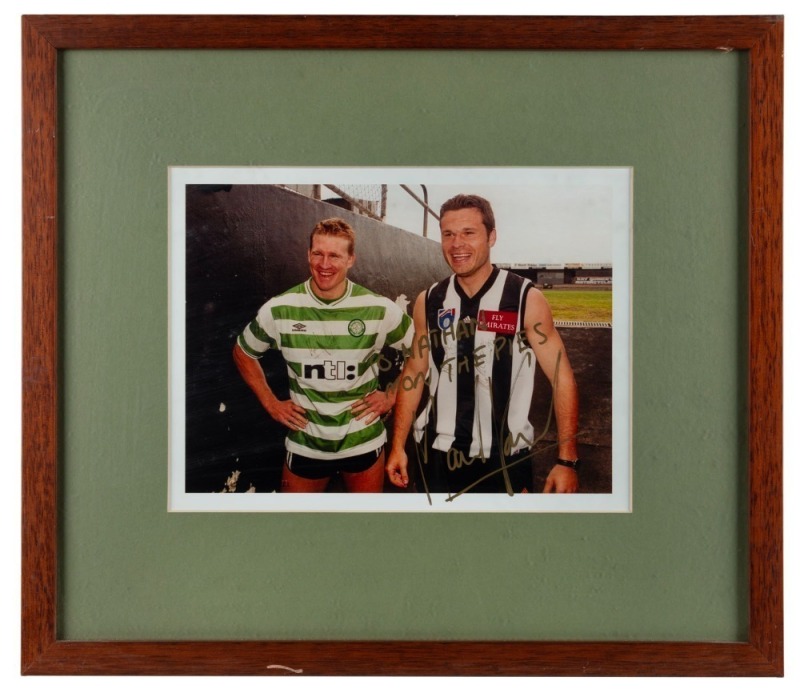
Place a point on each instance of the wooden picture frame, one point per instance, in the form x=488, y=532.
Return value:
x=761, y=38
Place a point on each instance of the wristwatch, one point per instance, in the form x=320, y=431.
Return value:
x=574, y=464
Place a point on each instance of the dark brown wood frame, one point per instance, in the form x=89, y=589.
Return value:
x=44, y=36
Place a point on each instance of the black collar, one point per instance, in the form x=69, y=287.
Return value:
x=483, y=290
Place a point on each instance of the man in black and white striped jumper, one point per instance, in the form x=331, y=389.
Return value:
x=466, y=389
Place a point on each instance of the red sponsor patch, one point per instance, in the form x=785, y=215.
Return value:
x=498, y=321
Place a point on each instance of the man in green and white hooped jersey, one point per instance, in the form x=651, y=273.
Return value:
x=330, y=332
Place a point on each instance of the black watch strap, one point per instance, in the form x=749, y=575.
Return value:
x=571, y=463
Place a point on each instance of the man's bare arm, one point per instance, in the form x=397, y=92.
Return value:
x=285, y=412
x=552, y=357
x=409, y=393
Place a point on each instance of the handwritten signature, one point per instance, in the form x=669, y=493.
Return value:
x=456, y=459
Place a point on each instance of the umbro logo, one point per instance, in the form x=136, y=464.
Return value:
x=299, y=328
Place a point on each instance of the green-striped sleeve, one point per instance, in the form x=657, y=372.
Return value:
x=254, y=341
x=247, y=348
x=260, y=334
x=399, y=333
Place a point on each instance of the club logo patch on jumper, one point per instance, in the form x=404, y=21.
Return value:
x=445, y=318
x=356, y=327
x=497, y=321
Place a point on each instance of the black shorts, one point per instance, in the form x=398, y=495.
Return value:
x=310, y=468
x=476, y=474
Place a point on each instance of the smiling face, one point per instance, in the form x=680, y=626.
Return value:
x=466, y=242
x=329, y=259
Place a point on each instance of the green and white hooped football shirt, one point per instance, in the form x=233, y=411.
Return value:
x=332, y=351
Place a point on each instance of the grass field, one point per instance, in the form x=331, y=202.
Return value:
x=574, y=305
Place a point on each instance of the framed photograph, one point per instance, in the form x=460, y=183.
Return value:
x=170, y=194
x=564, y=230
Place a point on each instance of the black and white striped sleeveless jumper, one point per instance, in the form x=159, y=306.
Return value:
x=480, y=375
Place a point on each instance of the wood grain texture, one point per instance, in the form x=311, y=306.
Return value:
x=383, y=32
x=43, y=653
x=766, y=336
x=40, y=413
x=404, y=658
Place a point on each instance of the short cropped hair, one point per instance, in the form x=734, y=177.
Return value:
x=463, y=201
x=334, y=227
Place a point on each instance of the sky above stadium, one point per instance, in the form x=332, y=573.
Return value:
x=563, y=216
x=543, y=215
